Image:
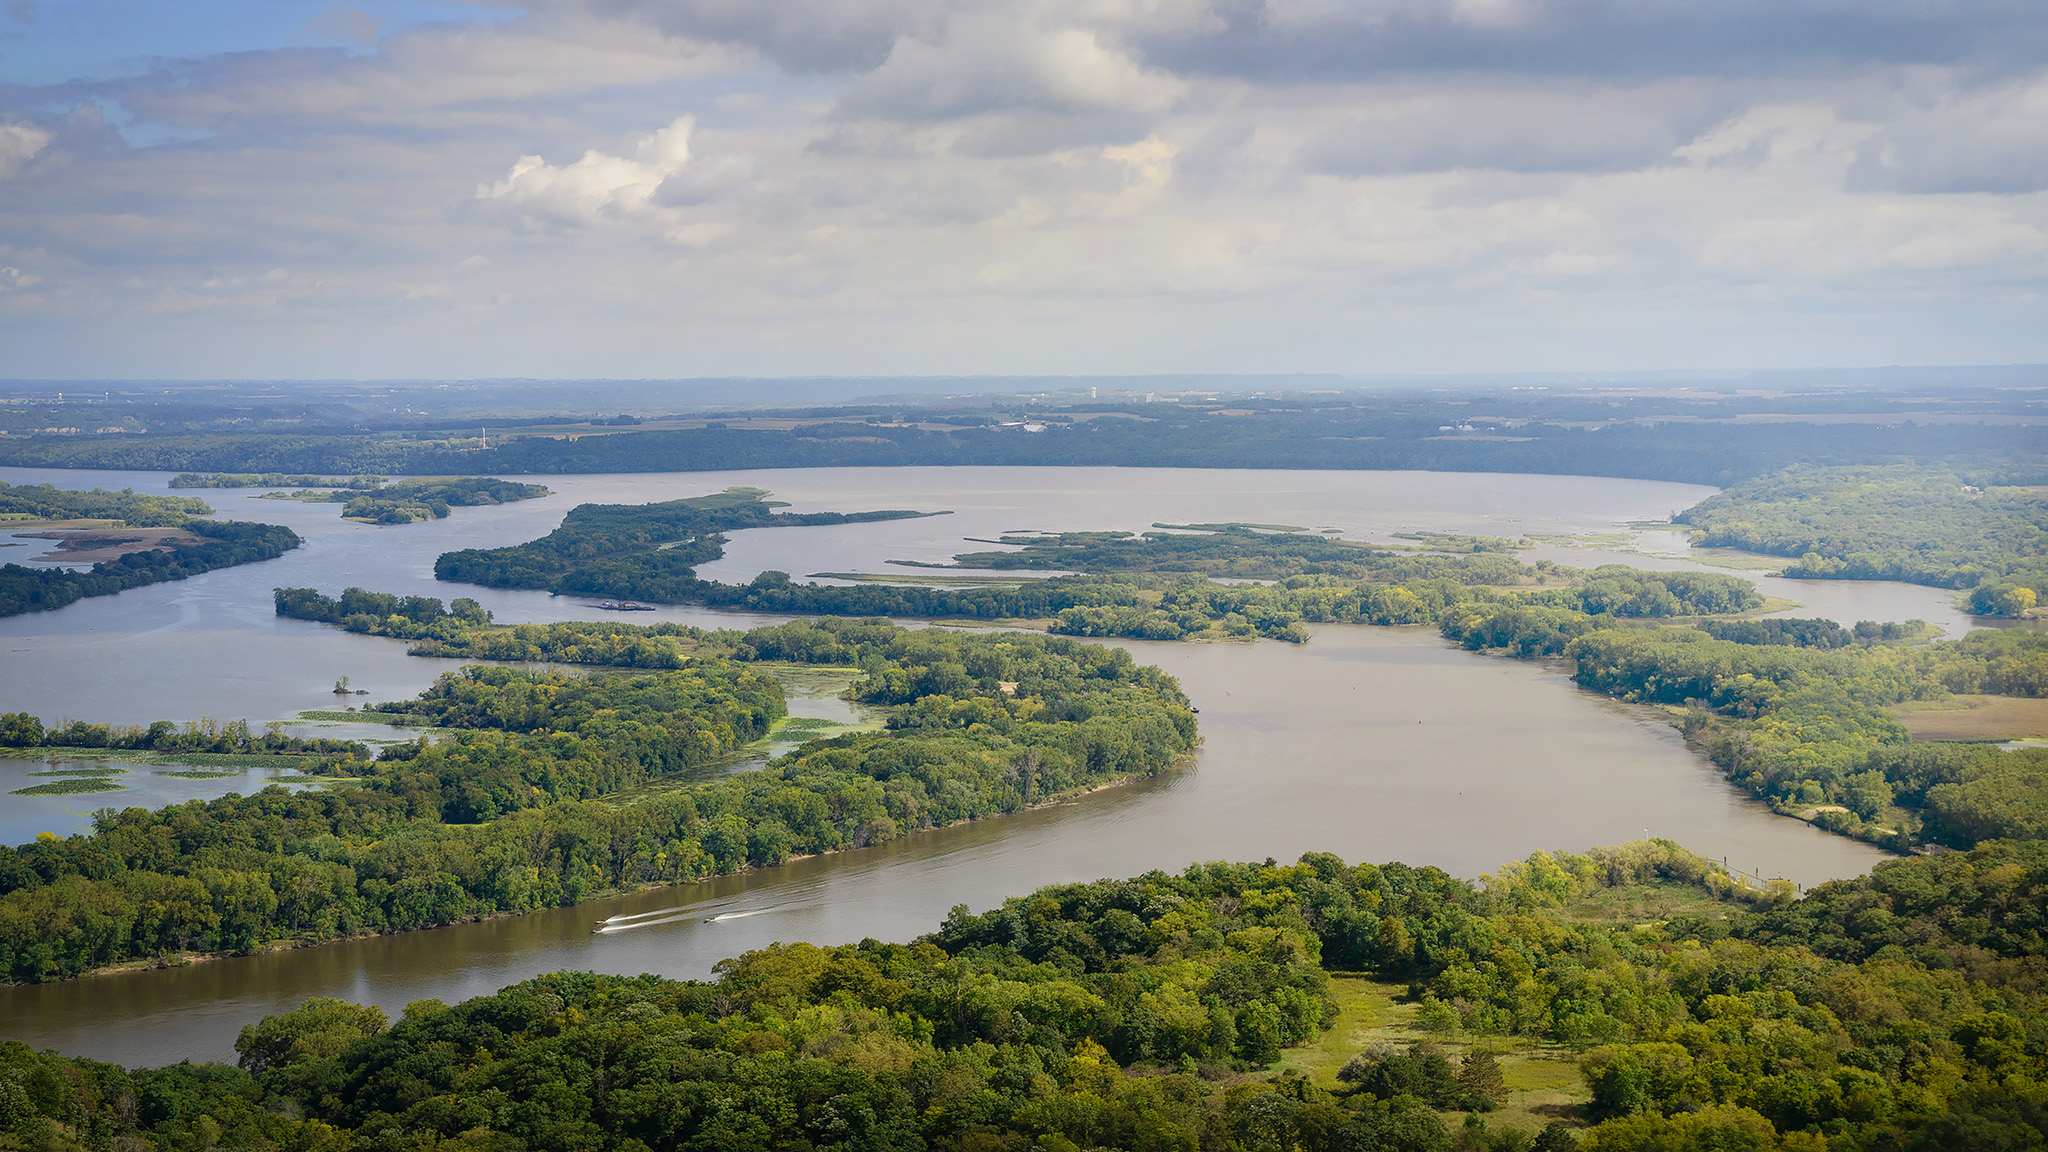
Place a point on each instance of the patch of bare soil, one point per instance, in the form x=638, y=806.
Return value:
x=95, y=545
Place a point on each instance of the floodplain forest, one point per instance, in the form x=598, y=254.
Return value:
x=1900, y=1010
x=515, y=805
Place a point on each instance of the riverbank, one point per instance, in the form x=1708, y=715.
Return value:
x=189, y=958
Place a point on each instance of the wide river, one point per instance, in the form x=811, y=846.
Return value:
x=1373, y=743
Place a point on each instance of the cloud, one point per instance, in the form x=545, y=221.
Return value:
x=1527, y=128
x=964, y=185
x=594, y=188
x=19, y=144
x=1988, y=138
x=988, y=63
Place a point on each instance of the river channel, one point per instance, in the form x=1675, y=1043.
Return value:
x=1373, y=743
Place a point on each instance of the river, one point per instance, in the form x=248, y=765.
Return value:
x=1373, y=743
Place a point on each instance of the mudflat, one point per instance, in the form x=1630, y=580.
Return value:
x=91, y=545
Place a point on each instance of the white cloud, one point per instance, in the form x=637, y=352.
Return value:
x=19, y=144
x=978, y=63
x=596, y=187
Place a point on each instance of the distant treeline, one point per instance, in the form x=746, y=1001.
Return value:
x=21, y=730
x=24, y=589
x=507, y=815
x=271, y=480
x=1393, y=434
x=49, y=502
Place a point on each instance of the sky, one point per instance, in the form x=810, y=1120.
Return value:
x=676, y=188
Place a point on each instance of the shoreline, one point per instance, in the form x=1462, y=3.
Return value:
x=187, y=959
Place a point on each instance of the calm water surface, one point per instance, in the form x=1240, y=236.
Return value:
x=1376, y=744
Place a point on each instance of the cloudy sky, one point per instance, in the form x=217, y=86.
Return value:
x=697, y=187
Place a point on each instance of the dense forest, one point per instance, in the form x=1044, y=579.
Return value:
x=19, y=730
x=1636, y=436
x=1903, y=1010
x=509, y=810
x=226, y=543
x=1920, y=525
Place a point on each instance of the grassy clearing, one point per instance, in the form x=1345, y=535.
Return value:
x=1366, y=1011
x=1647, y=903
x=1977, y=718
x=1542, y=1080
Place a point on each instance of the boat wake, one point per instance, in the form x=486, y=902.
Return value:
x=676, y=915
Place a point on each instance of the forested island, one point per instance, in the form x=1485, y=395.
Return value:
x=372, y=501
x=1901, y=1010
x=509, y=812
x=196, y=547
x=602, y=549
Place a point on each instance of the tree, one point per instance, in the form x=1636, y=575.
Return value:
x=318, y=1029
x=1480, y=1081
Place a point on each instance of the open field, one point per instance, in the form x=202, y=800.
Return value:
x=1977, y=718
x=1543, y=1082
